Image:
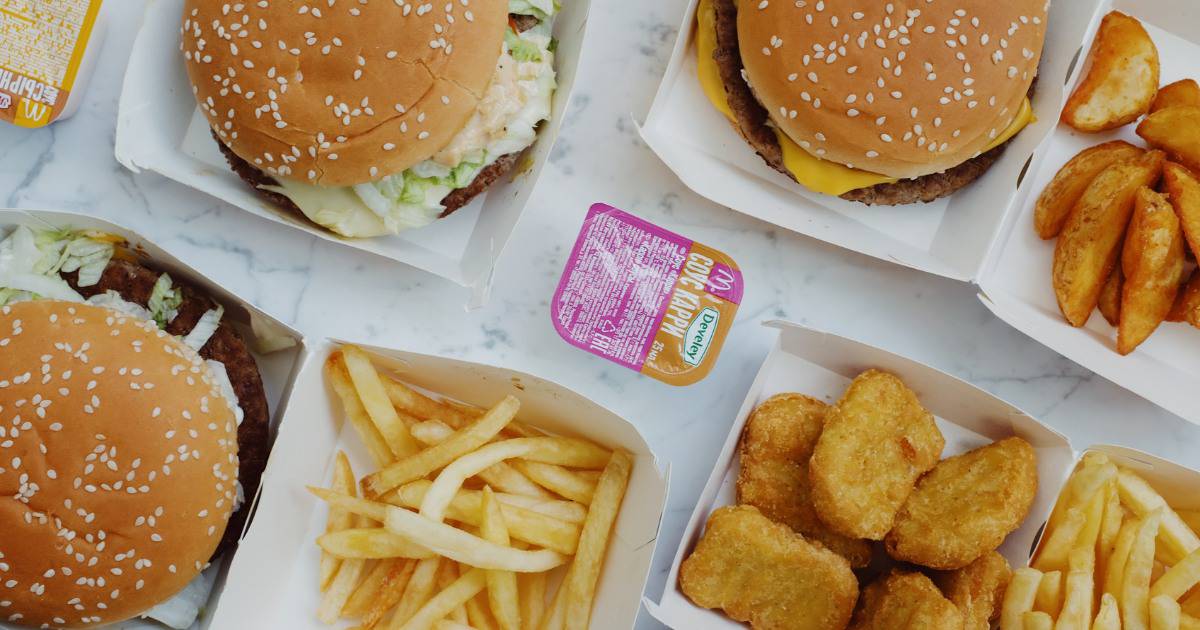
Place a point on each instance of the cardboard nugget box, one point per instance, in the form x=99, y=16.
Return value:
x=273, y=580
x=159, y=128
x=277, y=348
x=822, y=365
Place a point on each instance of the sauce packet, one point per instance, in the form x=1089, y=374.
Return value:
x=646, y=298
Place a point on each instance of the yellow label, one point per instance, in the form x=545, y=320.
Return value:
x=42, y=45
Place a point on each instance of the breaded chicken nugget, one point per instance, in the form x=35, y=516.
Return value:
x=966, y=506
x=878, y=440
x=776, y=445
x=905, y=601
x=977, y=589
x=762, y=572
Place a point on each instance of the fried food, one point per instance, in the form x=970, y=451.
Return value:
x=1110, y=297
x=905, y=601
x=1153, y=266
x=966, y=506
x=1175, y=130
x=776, y=445
x=1187, y=304
x=977, y=589
x=1184, y=93
x=1063, y=192
x=762, y=572
x=1088, y=247
x=1183, y=187
x=878, y=440
x=1123, y=78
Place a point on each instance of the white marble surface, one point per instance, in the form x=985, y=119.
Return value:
x=327, y=290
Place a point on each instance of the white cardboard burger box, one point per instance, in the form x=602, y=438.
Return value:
x=1016, y=284
x=278, y=349
x=159, y=128
x=822, y=365
x=273, y=580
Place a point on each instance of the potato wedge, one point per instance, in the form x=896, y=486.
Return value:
x=1061, y=194
x=1152, y=262
x=1123, y=78
x=1110, y=296
x=1187, y=303
x=1183, y=187
x=1175, y=130
x=1089, y=245
x=1184, y=93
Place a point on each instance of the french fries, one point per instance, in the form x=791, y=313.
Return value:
x=1109, y=616
x=1165, y=613
x=1063, y=192
x=1184, y=93
x=1019, y=598
x=1088, y=247
x=434, y=543
x=1184, y=189
x=1122, y=81
x=1110, y=297
x=1152, y=264
x=1175, y=130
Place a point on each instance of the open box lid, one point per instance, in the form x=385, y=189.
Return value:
x=274, y=577
x=1016, y=283
x=159, y=128
x=951, y=237
x=278, y=349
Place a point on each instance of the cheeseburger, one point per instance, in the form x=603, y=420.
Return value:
x=133, y=423
x=369, y=118
x=877, y=102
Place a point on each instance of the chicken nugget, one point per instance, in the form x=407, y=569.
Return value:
x=877, y=441
x=977, y=589
x=966, y=506
x=760, y=571
x=905, y=601
x=776, y=445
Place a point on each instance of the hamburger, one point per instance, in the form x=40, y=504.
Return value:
x=369, y=118
x=877, y=102
x=133, y=424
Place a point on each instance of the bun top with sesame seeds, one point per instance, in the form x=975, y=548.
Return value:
x=904, y=89
x=118, y=464
x=344, y=92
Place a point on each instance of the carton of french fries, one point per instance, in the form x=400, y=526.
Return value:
x=416, y=492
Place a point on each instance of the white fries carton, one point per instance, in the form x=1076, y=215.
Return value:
x=283, y=348
x=159, y=128
x=1016, y=284
x=274, y=577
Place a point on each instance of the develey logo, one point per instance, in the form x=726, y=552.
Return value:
x=699, y=335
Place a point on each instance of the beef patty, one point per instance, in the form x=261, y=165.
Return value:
x=754, y=125
x=135, y=283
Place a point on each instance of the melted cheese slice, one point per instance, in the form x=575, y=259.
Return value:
x=822, y=176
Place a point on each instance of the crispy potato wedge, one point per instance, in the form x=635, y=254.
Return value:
x=1123, y=78
x=1175, y=130
x=1110, y=296
x=1061, y=194
x=1153, y=266
x=1187, y=303
x=1089, y=245
x=1185, y=93
x=1183, y=187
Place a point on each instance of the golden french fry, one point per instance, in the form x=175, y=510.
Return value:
x=1076, y=611
x=1182, y=93
x=501, y=585
x=566, y=483
x=1089, y=536
x=580, y=584
x=1187, y=309
x=453, y=596
x=375, y=401
x=1184, y=189
x=447, y=574
x=363, y=507
x=478, y=614
x=335, y=373
x=466, y=548
x=1122, y=80
x=1109, y=616
x=420, y=588
x=390, y=592
x=1089, y=245
x=1114, y=572
x=339, y=518
x=373, y=543
x=1191, y=518
x=555, y=616
x=1164, y=613
x=565, y=511
x=462, y=442
x=1152, y=264
x=1019, y=597
x=1063, y=192
x=1049, y=598
x=368, y=589
x=1179, y=579
x=1178, y=539
x=1135, y=585
x=1058, y=543
x=500, y=476
x=339, y=591
x=1175, y=130
x=446, y=624
x=532, y=591
x=1188, y=622
x=1110, y=297
x=421, y=406
x=1037, y=620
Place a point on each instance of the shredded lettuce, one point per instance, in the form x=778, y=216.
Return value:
x=30, y=262
x=204, y=328
x=164, y=301
x=520, y=49
x=540, y=9
x=226, y=387
x=113, y=300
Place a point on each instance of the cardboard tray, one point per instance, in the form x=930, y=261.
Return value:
x=278, y=368
x=822, y=365
x=273, y=580
x=159, y=128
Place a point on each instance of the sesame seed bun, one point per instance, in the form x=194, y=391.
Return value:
x=122, y=454
x=887, y=89
x=340, y=94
